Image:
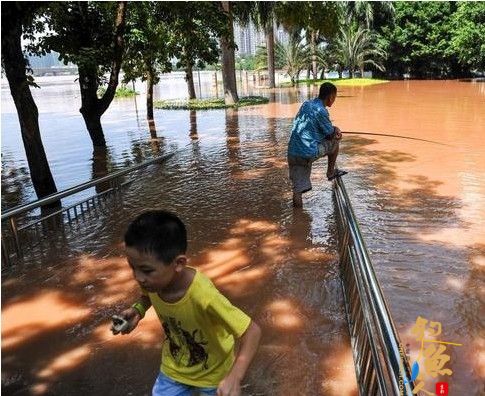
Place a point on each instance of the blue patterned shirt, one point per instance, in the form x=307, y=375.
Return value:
x=310, y=127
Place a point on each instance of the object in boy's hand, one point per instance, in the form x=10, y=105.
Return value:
x=119, y=324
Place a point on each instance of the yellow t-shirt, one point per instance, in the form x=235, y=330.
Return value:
x=200, y=330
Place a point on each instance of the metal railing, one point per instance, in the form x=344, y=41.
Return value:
x=20, y=231
x=380, y=361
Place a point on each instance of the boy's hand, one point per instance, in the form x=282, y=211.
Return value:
x=132, y=316
x=229, y=386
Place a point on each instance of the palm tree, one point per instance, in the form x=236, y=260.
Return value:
x=295, y=55
x=355, y=47
x=264, y=15
x=364, y=12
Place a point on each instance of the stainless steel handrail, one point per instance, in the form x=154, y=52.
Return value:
x=381, y=363
x=12, y=242
x=80, y=187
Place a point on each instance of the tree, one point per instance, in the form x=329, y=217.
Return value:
x=15, y=15
x=468, y=33
x=418, y=40
x=295, y=56
x=356, y=46
x=228, y=61
x=196, y=30
x=318, y=19
x=261, y=58
x=148, y=50
x=264, y=16
x=90, y=35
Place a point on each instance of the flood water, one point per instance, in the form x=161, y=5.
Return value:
x=421, y=207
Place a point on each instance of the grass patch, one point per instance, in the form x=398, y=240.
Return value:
x=348, y=82
x=121, y=92
x=207, y=104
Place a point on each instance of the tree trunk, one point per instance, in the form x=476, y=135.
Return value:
x=228, y=62
x=362, y=72
x=90, y=107
x=14, y=66
x=93, y=108
x=150, y=118
x=189, y=77
x=270, y=48
x=313, y=46
x=100, y=168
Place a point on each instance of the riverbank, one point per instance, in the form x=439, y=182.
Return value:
x=346, y=82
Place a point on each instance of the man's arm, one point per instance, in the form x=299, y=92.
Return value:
x=249, y=342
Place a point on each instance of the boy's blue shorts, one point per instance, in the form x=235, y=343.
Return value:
x=165, y=386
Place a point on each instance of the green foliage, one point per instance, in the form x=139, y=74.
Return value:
x=321, y=16
x=148, y=42
x=196, y=30
x=121, y=92
x=468, y=34
x=419, y=39
x=207, y=104
x=295, y=56
x=81, y=32
x=245, y=62
x=356, y=46
x=261, y=58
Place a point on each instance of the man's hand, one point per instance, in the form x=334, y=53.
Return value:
x=338, y=133
x=229, y=386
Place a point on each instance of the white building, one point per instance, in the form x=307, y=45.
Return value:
x=249, y=38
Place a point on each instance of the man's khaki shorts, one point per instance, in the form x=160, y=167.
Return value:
x=301, y=168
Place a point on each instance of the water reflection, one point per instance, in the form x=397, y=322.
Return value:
x=15, y=182
x=193, y=124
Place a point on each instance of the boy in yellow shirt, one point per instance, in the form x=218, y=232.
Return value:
x=200, y=324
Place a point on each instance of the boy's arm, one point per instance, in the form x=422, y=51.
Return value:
x=249, y=342
x=136, y=313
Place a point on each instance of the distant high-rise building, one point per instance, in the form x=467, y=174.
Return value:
x=281, y=35
x=248, y=38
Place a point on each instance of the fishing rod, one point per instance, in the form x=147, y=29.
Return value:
x=396, y=136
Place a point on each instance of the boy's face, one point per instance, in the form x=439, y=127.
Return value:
x=152, y=274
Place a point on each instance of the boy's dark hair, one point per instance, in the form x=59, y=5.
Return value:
x=326, y=89
x=159, y=233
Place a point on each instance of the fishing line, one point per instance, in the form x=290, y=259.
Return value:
x=396, y=136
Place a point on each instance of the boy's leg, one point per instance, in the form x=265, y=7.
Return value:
x=165, y=386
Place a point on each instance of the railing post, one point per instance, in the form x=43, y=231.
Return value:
x=13, y=228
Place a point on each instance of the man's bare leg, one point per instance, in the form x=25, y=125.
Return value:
x=297, y=200
x=332, y=159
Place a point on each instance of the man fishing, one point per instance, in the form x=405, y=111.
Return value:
x=313, y=136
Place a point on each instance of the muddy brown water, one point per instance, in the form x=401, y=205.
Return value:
x=421, y=207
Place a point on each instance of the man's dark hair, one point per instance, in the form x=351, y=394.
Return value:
x=326, y=89
x=159, y=233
